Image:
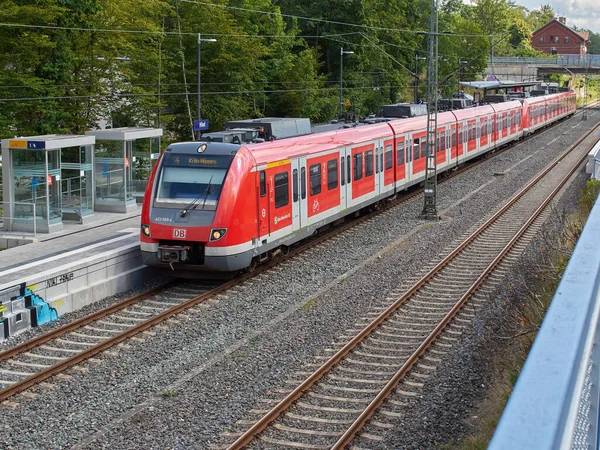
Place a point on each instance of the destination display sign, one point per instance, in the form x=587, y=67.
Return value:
x=183, y=160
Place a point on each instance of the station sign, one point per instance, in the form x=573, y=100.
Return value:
x=36, y=145
x=201, y=125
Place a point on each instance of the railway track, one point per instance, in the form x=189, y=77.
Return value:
x=32, y=362
x=328, y=408
x=52, y=353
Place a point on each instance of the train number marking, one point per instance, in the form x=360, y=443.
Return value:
x=179, y=233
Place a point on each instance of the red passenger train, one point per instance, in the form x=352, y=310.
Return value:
x=223, y=207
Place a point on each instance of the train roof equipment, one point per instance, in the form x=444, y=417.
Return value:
x=403, y=110
x=271, y=128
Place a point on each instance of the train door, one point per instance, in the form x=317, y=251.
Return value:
x=378, y=167
x=409, y=157
x=263, y=204
x=296, y=203
x=302, y=202
x=345, y=172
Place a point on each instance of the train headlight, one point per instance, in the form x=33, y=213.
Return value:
x=146, y=230
x=217, y=233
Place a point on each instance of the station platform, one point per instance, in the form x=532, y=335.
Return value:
x=49, y=275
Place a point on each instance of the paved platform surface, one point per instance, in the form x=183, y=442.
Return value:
x=76, y=241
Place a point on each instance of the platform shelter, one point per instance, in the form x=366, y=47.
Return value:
x=123, y=160
x=46, y=178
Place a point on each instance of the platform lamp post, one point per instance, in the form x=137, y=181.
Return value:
x=199, y=106
x=417, y=58
x=460, y=63
x=342, y=53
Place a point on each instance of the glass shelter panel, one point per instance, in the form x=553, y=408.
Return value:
x=144, y=153
x=113, y=175
x=76, y=181
x=36, y=178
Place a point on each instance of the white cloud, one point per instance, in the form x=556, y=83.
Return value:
x=583, y=14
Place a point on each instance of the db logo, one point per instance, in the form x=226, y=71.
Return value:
x=179, y=233
x=264, y=213
x=315, y=206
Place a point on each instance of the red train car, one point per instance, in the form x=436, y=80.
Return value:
x=224, y=207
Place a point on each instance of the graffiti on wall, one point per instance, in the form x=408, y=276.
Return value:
x=21, y=308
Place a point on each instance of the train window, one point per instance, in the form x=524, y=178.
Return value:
x=295, y=185
x=389, y=157
x=416, y=149
x=348, y=169
x=342, y=172
x=369, y=163
x=303, y=183
x=358, y=166
x=332, y=174
x=400, y=153
x=315, y=179
x=377, y=160
x=453, y=137
x=282, y=189
x=424, y=147
x=381, y=160
x=460, y=135
x=263, y=183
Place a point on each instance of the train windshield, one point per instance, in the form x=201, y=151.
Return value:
x=191, y=181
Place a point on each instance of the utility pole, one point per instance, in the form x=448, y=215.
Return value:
x=342, y=53
x=417, y=58
x=430, y=201
x=585, y=93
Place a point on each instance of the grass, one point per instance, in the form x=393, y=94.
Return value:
x=310, y=305
x=170, y=394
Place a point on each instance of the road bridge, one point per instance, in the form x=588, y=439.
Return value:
x=523, y=69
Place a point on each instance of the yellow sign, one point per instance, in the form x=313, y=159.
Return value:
x=13, y=143
x=3, y=308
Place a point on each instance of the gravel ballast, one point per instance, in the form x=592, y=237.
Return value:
x=186, y=384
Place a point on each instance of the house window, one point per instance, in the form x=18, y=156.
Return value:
x=553, y=50
x=566, y=39
x=542, y=39
x=556, y=39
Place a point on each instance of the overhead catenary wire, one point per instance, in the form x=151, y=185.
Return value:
x=247, y=92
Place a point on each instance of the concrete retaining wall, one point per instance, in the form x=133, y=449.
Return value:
x=46, y=296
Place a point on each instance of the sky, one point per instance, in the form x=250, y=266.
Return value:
x=584, y=14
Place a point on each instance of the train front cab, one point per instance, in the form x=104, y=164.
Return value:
x=192, y=196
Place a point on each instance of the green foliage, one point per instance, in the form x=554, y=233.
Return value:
x=589, y=195
x=73, y=66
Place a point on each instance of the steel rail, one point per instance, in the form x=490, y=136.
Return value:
x=109, y=342
x=372, y=408
x=284, y=404
x=86, y=354
x=36, y=342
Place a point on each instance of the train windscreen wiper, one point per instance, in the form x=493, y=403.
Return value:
x=194, y=202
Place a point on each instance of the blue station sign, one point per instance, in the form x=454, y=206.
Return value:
x=36, y=145
x=201, y=125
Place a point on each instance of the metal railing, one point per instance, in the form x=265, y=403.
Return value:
x=560, y=60
x=554, y=404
